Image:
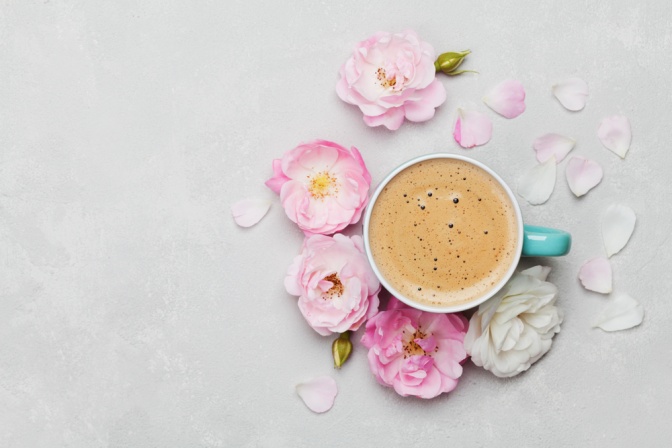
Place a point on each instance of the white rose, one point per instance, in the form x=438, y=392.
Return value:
x=515, y=328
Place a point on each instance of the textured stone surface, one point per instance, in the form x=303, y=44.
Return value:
x=134, y=312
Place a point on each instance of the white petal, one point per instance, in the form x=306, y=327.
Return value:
x=538, y=272
x=318, y=394
x=595, y=275
x=537, y=184
x=572, y=93
x=507, y=98
x=615, y=134
x=472, y=128
x=618, y=223
x=582, y=175
x=621, y=313
x=248, y=212
x=549, y=145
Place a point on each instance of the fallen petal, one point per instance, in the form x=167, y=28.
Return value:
x=615, y=134
x=621, y=313
x=472, y=128
x=618, y=223
x=538, y=183
x=507, y=98
x=248, y=212
x=582, y=175
x=595, y=275
x=552, y=145
x=318, y=394
x=572, y=93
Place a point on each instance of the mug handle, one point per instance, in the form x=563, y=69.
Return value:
x=545, y=242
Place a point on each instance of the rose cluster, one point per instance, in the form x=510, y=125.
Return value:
x=324, y=188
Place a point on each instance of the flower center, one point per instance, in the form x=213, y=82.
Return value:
x=322, y=185
x=336, y=290
x=395, y=75
x=381, y=74
x=411, y=347
x=415, y=344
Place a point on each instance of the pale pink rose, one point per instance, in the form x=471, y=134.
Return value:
x=415, y=352
x=336, y=286
x=323, y=187
x=392, y=76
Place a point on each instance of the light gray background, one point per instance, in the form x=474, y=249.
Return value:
x=134, y=312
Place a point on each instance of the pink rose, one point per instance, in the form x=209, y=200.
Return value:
x=337, y=289
x=392, y=76
x=322, y=186
x=415, y=352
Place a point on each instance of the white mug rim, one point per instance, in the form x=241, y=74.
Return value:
x=461, y=306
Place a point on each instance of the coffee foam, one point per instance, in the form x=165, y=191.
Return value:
x=443, y=232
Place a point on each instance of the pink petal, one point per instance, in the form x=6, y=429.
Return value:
x=318, y=394
x=472, y=128
x=248, y=212
x=507, y=98
x=615, y=134
x=595, y=275
x=391, y=119
x=549, y=145
x=276, y=182
x=582, y=175
x=538, y=183
x=428, y=344
x=423, y=108
x=572, y=93
x=418, y=111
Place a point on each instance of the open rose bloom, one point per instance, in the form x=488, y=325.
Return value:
x=336, y=286
x=323, y=187
x=391, y=77
x=415, y=352
x=514, y=329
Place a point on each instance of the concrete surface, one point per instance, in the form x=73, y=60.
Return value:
x=135, y=313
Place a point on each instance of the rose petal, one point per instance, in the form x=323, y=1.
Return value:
x=507, y=98
x=422, y=106
x=318, y=394
x=276, y=182
x=595, y=275
x=572, y=93
x=582, y=175
x=618, y=223
x=472, y=128
x=615, y=134
x=391, y=119
x=538, y=183
x=538, y=272
x=552, y=144
x=621, y=313
x=248, y=212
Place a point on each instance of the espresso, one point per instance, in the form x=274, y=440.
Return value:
x=443, y=232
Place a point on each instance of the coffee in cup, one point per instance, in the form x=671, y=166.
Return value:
x=443, y=232
x=407, y=237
